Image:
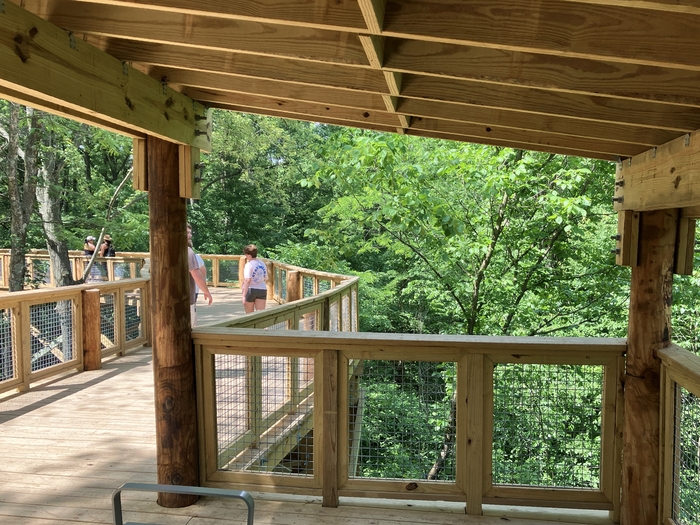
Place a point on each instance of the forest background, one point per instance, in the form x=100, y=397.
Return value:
x=447, y=237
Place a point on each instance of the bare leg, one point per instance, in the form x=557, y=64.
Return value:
x=260, y=304
x=249, y=307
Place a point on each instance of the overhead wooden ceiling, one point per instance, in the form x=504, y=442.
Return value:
x=598, y=78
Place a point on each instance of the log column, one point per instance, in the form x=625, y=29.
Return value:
x=173, y=357
x=649, y=330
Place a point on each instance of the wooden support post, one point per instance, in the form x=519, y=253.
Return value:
x=92, y=349
x=326, y=446
x=241, y=266
x=474, y=432
x=293, y=286
x=649, y=330
x=173, y=358
x=270, y=281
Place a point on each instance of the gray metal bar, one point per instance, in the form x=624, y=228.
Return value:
x=179, y=489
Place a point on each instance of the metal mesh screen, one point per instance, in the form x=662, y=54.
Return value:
x=353, y=320
x=345, y=309
x=51, y=334
x=133, y=310
x=308, y=286
x=686, y=462
x=402, y=420
x=283, y=284
x=334, y=320
x=547, y=425
x=323, y=286
x=108, y=335
x=283, y=325
x=41, y=272
x=122, y=270
x=309, y=321
x=8, y=357
x=208, y=263
x=264, y=422
x=228, y=270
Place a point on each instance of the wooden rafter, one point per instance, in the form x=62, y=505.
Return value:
x=597, y=78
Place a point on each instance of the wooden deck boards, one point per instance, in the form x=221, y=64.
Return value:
x=68, y=443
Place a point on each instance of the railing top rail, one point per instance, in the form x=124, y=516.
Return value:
x=68, y=290
x=517, y=347
x=279, y=311
x=684, y=365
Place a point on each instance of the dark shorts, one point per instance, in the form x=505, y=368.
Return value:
x=255, y=293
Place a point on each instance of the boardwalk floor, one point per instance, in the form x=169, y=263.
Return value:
x=67, y=444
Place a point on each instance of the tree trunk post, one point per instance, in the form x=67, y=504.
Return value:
x=649, y=330
x=92, y=347
x=293, y=286
x=173, y=356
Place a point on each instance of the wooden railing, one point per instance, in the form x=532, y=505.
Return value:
x=39, y=273
x=680, y=436
x=326, y=421
x=42, y=332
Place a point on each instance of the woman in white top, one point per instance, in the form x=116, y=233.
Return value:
x=254, y=288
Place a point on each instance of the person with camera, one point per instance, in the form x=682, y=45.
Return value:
x=106, y=248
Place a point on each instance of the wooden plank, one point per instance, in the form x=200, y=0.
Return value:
x=685, y=246
x=409, y=489
x=373, y=13
x=668, y=409
x=343, y=405
x=526, y=120
x=289, y=71
x=627, y=239
x=547, y=497
x=649, y=332
x=92, y=357
x=206, y=32
x=595, y=30
x=608, y=462
x=374, y=49
x=190, y=172
x=650, y=114
x=328, y=388
x=487, y=469
x=289, y=107
x=619, y=424
x=510, y=134
x=475, y=433
x=684, y=366
x=599, y=78
x=88, y=81
x=662, y=178
x=140, y=165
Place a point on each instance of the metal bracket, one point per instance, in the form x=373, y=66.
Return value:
x=2, y=7
x=164, y=87
x=653, y=152
x=125, y=69
x=71, y=40
x=687, y=139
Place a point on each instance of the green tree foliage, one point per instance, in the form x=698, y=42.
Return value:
x=474, y=239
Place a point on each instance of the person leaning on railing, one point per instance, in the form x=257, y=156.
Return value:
x=254, y=289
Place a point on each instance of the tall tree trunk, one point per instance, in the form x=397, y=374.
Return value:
x=21, y=190
x=48, y=196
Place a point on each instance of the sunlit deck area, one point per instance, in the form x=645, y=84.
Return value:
x=68, y=444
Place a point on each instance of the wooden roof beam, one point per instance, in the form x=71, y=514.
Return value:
x=661, y=178
x=44, y=66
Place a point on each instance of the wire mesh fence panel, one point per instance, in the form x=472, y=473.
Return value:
x=402, y=420
x=309, y=321
x=547, y=425
x=51, y=334
x=283, y=284
x=108, y=335
x=8, y=356
x=308, y=286
x=208, y=263
x=95, y=273
x=133, y=310
x=353, y=320
x=306, y=371
x=259, y=428
x=333, y=314
x=275, y=383
x=686, y=464
x=277, y=282
x=283, y=325
x=122, y=270
x=323, y=286
x=41, y=272
x=228, y=271
x=345, y=309
x=231, y=407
